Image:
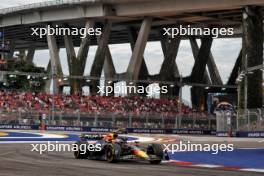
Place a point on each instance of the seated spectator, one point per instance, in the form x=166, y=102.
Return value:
x=30, y=101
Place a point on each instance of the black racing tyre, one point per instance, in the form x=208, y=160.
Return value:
x=80, y=154
x=112, y=152
x=155, y=161
x=155, y=149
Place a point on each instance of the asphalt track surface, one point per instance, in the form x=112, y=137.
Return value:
x=17, y=159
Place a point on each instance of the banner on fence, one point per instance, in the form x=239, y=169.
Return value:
x=106, y=130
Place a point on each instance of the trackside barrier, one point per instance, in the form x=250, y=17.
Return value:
x=247, y=134
x=255, y=134
x=100, y=129
x=251, y=134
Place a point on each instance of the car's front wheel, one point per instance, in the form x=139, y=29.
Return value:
x=112, y=153
x=155, y=149
x=81, y=152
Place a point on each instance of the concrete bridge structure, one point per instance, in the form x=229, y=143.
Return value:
x=137, y=22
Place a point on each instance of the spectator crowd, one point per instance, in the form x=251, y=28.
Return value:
x=33, y=105
x=30, y=101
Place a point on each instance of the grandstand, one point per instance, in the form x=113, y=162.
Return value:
x=32, y=105
x=123, y=22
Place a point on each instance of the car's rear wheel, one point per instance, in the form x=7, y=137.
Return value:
x=112, y=153
x=155, y=149
x=82, y=151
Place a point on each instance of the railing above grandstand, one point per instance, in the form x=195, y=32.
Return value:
x=251, y=120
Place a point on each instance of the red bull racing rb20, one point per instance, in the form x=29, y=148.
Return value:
x=114, y=148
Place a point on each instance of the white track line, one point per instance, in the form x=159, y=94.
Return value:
x=207, y=165
x=253, y=170
x=177, y=162
x=6, y=153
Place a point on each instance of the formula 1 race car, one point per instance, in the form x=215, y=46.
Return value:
x=115, y=148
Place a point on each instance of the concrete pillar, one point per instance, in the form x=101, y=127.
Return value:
x=109, y=70
x=198, y=98
x=48, y=67
x=22, y=54
x=48, y=81
x=169, y=70
x=135, y=63
x=197, y=93
x=55, y=60
x=77, y=63
x=212, y=68
x=234, y=74
x=252, y=55
x=143, y=73
x=201, y=60
x=164, y=45
x=109, y=67
x=73, y=65
x=98, y=63
x=30, y=54
x=213, y=71
x=195, y=51
x=12, y=50
x=84, y=47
